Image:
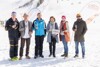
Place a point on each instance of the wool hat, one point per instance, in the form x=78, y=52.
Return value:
x=63, y=17
x=13, y=13
x=78, y=15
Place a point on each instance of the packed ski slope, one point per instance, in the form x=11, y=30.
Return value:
x=48, y=8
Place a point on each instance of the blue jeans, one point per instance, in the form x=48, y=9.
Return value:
x=65, y=44
x=82, y=47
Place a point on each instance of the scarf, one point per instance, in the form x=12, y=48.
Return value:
x=63, y=26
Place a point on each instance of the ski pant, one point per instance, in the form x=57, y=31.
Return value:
x=39, y=45
x=13, y=47
x=52, y=46
x=82, y=47
x=23, y=40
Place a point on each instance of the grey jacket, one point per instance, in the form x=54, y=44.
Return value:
x=22, y=27
x=50, y=34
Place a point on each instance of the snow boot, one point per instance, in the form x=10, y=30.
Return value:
x=75, y=56
x=28, y=57
x=62, y=55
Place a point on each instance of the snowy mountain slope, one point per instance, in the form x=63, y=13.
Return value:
x=65, y=7
x=19, y=6
x=47, y=8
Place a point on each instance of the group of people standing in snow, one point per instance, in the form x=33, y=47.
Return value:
x=23, y=30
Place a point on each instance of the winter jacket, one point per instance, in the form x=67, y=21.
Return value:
x=81, y=27
x=40, y=27
x=50, y=33
x=11, y=31
x=22, y=27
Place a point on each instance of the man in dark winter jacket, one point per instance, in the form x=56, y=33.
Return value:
x=80, y=29
x=12, y=26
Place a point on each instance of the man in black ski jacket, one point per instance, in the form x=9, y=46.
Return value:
x=12, y=26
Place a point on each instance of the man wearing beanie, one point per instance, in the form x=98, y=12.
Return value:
x=80, y=29
x=12, y=26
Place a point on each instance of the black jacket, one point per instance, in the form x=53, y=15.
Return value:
x=81, y=30
x=11, y=31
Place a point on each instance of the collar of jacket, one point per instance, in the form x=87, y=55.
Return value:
x=79, y=20
x=41, y=20
x=12, y=20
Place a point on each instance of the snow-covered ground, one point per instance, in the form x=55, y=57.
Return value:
x=65, y=7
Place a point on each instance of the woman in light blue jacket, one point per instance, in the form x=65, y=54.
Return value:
x=52, y=38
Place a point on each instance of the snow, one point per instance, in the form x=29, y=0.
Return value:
x=65, y=7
